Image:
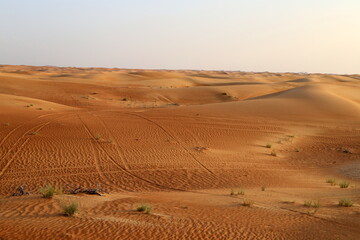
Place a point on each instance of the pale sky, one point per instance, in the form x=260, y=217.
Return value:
x=252, y=35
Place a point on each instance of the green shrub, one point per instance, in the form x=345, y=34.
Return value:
x=268, y=145
x=344, y=184
x=331, y=181
x=247, y=203
x=273, y=153
x=48, y=191
x=311, y=203
x=144, y=208
x=345, y=202
x=70, y=210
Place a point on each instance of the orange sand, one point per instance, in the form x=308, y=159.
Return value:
x=150, y=124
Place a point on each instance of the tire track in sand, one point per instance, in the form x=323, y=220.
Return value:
x=19, y=145
x=167, y=132
x=124, y=170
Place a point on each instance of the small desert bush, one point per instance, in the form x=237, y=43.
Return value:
x=331, y=181
x=48, y=191
x=97, y=137
x=344, y=184
x=263, y=188
x=247, y=203
x=268, y=145
x=144, y=208
x=345, y=202
x=241, y=192
x=70, y=210
x=310, y=203
x=235, y=193
x=273, y=153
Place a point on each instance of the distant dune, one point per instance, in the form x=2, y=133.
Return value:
x=179, y=141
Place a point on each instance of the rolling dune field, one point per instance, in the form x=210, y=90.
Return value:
x=193, y=145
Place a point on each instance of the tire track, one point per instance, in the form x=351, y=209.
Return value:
x=96, y=154
x=117, y=146
x=175, y=139
x=124, y=170
x=21, y=125
x=19, y=147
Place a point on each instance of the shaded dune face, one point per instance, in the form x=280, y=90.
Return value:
x=179, y=141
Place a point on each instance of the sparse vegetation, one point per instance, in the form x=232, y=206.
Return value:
x=247, y=203
x=144, y=208
x=297, y=150
x=235, y=193
x=33, y=133
x=263, y=188
x=29, y=105
x=268, y=145
x=39, y=108
x=224, y=94
x=331, y=181
x=311, y=203
x=6, y=124
x=48, y=191
x=110, y=140
x=97, y=137
x=345, y=202
x=273, y=153
x=70, y=210
x=344, y=184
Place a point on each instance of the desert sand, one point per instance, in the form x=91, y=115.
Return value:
x=181, y=142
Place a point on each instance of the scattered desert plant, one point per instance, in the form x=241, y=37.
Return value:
x=39, y=108
x=297, y=150
x=311, y=203
x=241, y=192
x=345, y=202
x=235, y=193
x=344, y=184
x=331, y=181
x=97, y=137
x=48, y=191
x=224, y=94
x=29, y=105
x=144, y=208
x=273, y=153
x=268, y=145
x=247, y=202
x=70, y=210
x=110, y=140
x=33, y=133
x=263, y=188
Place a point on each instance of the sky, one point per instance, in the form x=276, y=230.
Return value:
x=253, y=35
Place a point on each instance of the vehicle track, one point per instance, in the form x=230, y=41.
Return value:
x=21, y=145
x=124, y=170
x=167, y=132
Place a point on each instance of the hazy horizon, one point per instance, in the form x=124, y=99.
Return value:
x=257, y=36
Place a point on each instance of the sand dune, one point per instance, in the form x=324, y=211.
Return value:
x=179, y=141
